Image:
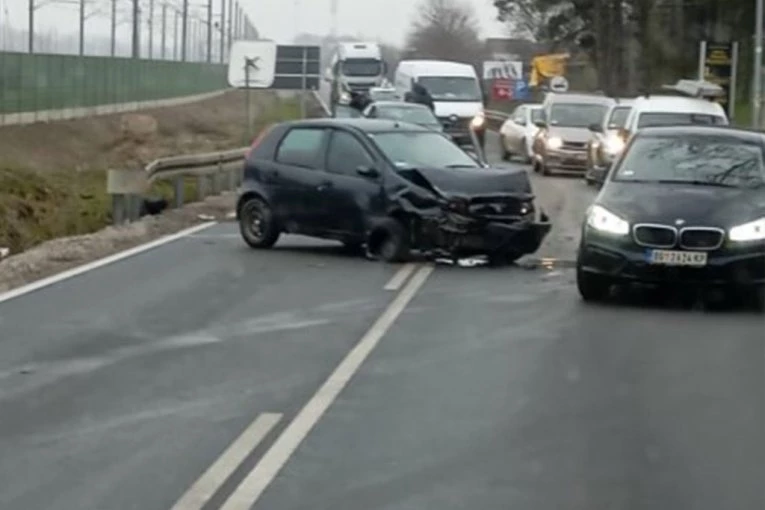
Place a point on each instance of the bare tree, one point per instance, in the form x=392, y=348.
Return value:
x=445, y=29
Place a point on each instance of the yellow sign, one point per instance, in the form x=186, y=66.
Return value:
x=547, y=66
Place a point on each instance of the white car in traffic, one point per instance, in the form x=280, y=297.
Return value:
x=518, y=131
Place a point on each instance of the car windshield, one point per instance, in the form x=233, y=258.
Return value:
x=408, y=114
x=362, y=67
x=421, y=150
x=382, y=95
x=577, y=115
x=618, y=117
x=452, y=88
x=653, y=119
x=342, y=111
x=693, y=159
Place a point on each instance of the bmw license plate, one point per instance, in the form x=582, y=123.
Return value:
x=677, y=258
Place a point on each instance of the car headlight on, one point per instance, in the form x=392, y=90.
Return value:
x=554, y=143
x=345, y=97
x=752, y=231
x=613, y=145
x=478, y=121
x=603, y=220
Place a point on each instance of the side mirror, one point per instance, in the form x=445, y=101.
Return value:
x=596, y=128
x=540, y=124
x=368, y=172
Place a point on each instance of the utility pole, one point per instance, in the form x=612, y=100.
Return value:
x=222, y=31
x=136, y=29
x=113, y=42
x=163, y=53
x=150, y=24
x=82, y=28
x=175, y=35
x=757, y=78
x=209, y=30
x=31, y=34
x=184, y=29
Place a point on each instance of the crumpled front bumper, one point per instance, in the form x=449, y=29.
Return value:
x=493, y=237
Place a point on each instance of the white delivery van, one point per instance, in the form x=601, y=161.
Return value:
x=456, y=92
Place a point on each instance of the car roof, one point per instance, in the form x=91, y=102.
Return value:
x=676, y=104
x=579, y=98
x=749, y=135
x=362, y=124
x=426, y=67
x=403, y=104
x=624, y=102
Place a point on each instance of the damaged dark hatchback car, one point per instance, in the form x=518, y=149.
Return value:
x=388, y=187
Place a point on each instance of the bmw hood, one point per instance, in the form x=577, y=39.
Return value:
x=470, y=181
x=693, y=205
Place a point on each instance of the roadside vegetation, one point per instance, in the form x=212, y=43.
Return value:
x=53, y=176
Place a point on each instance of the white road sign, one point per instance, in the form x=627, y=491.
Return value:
x=252, y=64
x=559, y=84
x=502, y=69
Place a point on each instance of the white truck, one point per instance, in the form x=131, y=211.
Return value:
x=355, y=67
x=456, y=92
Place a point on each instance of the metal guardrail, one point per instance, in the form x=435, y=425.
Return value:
x=214, y=172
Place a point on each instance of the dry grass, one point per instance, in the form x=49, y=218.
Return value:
x=53, y=176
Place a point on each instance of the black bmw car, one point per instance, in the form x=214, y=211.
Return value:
x=682, y=206
x=387, y=186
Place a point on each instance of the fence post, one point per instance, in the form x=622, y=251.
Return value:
x=179, y=183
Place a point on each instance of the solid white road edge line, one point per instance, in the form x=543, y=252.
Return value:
x=249, y=491
x=211, y=480
x=400, y=277
x=90, y=266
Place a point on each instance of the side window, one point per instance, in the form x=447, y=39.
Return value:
x=372, y=112
x=301, y=147
x=346, y=154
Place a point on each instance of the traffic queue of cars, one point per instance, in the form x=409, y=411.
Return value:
x=682, y=199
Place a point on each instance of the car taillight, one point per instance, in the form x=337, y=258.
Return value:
x=258, y=139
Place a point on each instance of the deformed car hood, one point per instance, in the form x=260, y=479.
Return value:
x=696, y=205
x=472, y=181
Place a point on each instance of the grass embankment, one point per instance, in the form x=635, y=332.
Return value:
x=59, y=189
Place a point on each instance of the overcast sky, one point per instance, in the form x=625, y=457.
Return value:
x=385, y=20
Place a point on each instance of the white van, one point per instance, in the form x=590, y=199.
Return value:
x=456, y=92
x=660, y=110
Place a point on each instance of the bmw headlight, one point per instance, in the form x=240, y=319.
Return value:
x=752, y=231
x=554, y=143
x=613, y=145
x=603, y=220
x=478, y=121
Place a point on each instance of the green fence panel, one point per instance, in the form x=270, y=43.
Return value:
x=38, y=82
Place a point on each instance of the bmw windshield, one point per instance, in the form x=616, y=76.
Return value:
x=422, y=150
x=714, y=160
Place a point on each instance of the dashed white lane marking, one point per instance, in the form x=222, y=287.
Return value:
x=249, y=491
x=211, y=480
x=400, y=277
x=45, y=282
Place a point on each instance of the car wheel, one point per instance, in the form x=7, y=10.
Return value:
x=389, y=242
x=592, y=287
x=257, y=224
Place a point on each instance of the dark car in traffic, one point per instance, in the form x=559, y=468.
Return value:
x=683, y=206
x=414, y=113
x=390, y=187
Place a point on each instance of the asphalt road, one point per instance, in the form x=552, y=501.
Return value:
x=204, y=375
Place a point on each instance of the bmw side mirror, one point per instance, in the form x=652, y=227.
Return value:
x=368, y=172
x=596, y=128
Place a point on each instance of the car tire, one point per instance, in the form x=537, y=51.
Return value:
x=389, y=242
x=592, y=287
x=257, y=224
